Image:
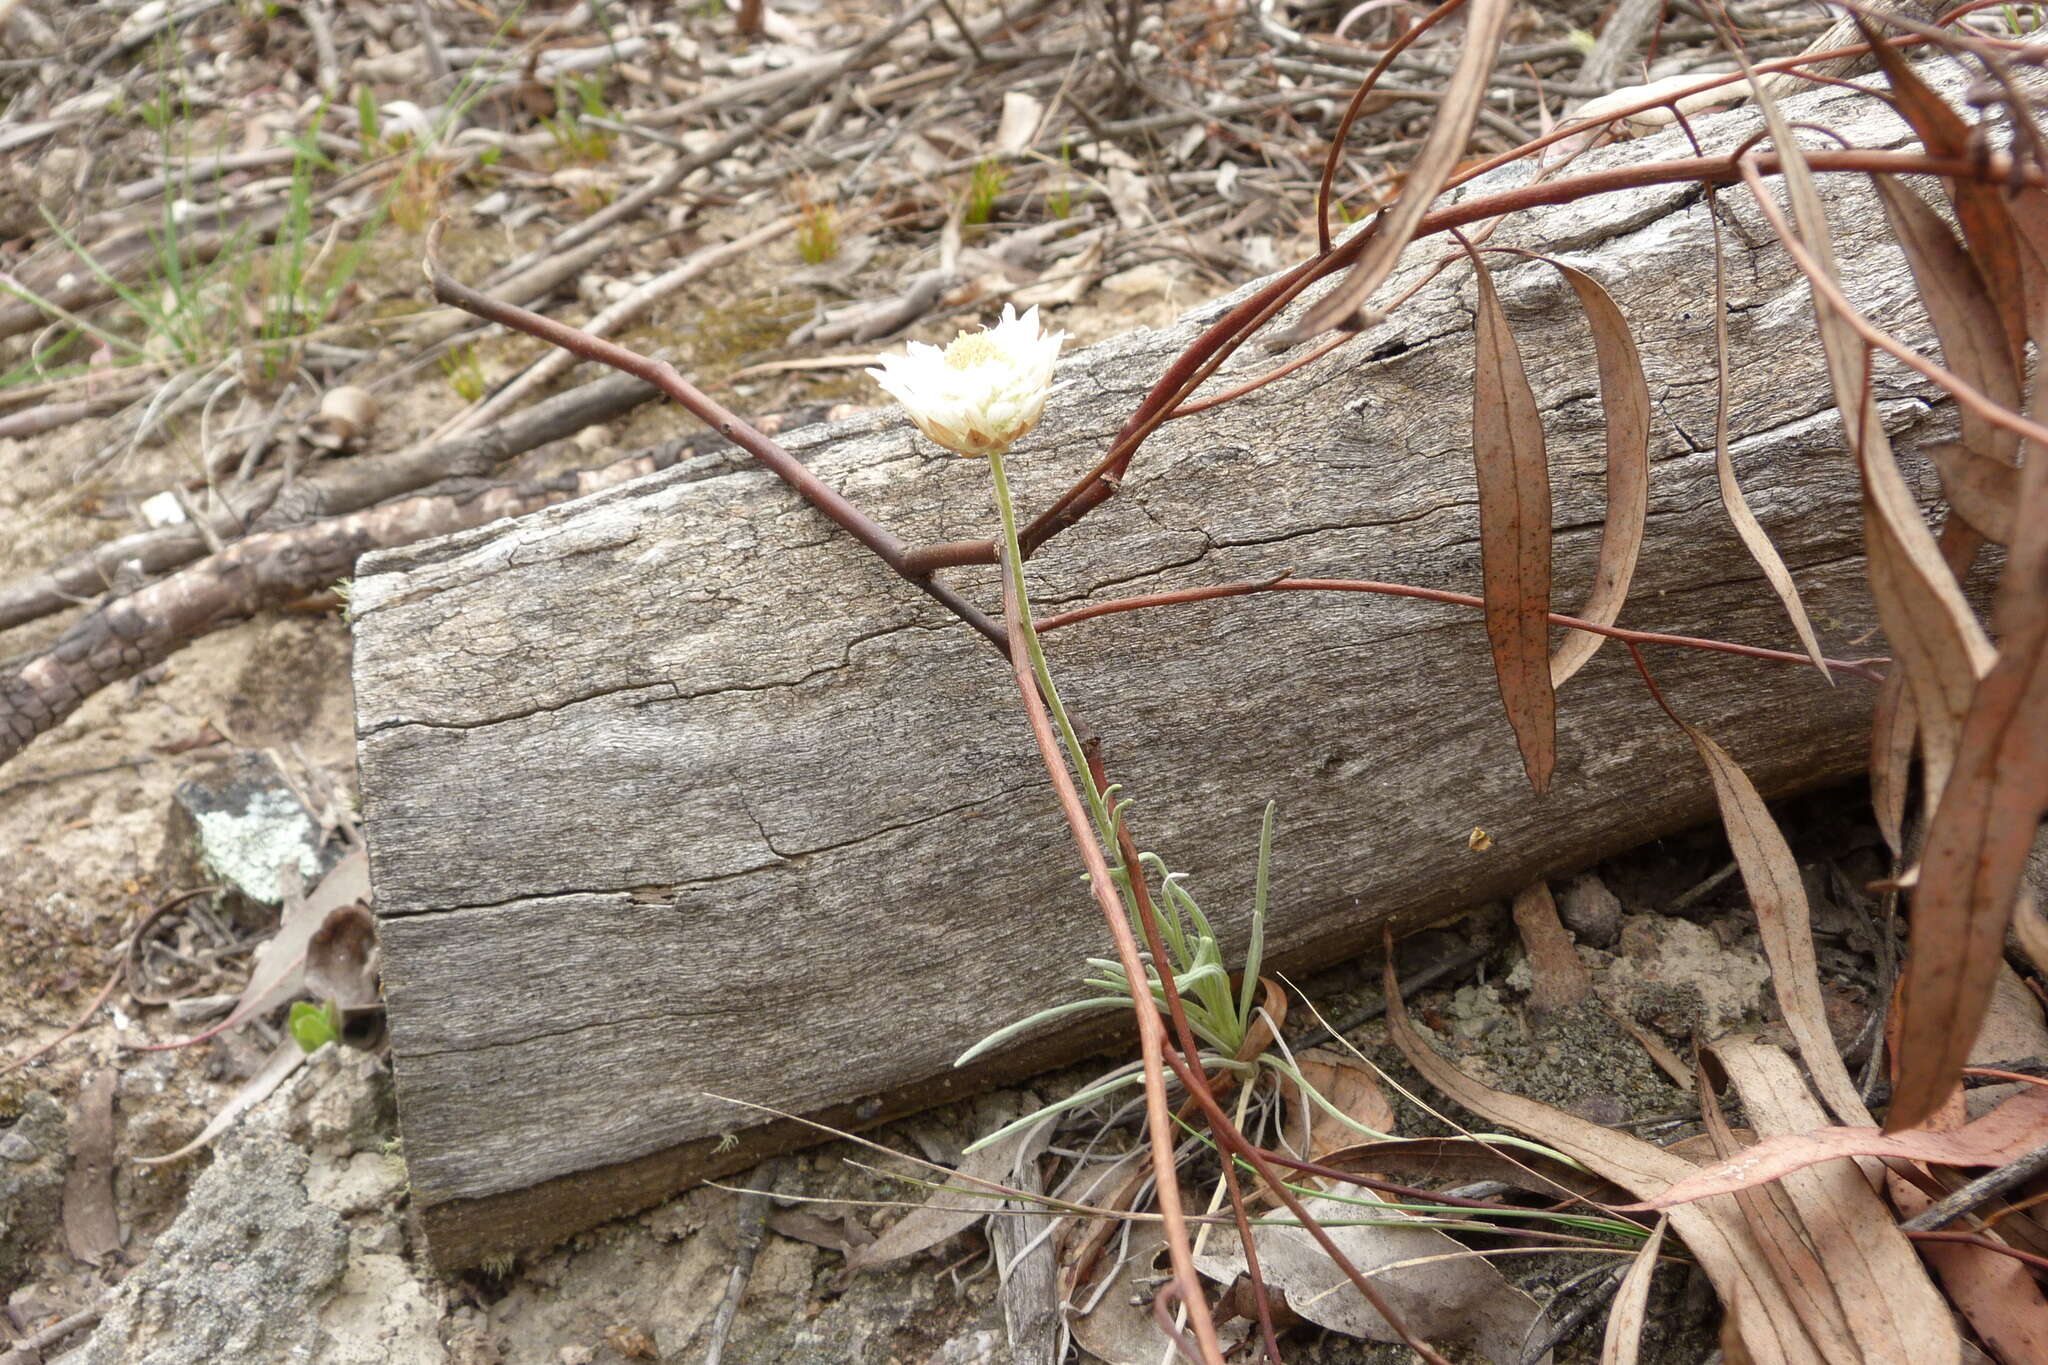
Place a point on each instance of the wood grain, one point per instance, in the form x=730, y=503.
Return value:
x=673, y=791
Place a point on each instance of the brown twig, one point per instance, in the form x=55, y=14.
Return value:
x=1979, y=1192
x=128, y=634
x=271, y=503
x=1983, y=1243
x=884, y=543
x=1227, y=334
x=1859, y=668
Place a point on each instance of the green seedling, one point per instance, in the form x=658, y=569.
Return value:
x=465, y=373
x=1059, y=200
x=817, y=236
x=989, y=178
x=314, y=1026
x=576, y=99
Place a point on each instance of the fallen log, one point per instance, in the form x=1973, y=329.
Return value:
x=674, y=792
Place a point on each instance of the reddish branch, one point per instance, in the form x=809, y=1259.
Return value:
x=1860, y=667
x=664, y=376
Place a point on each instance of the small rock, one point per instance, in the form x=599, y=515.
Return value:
x=363, y=1183
x=15, y=1147
x=980, y=1347
x=1590, y=911
x=350, y=1108
x=239, y=823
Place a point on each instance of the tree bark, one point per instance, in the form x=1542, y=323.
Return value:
x=675, y=793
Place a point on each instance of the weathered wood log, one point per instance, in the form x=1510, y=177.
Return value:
x=675, y=792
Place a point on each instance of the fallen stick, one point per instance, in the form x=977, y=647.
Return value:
x=269, y=504
x=131, y=632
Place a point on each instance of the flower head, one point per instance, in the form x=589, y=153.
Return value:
x=982, y=392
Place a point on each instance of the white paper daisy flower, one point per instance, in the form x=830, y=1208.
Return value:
x=982, y=392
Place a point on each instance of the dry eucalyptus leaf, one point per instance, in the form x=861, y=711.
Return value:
x=1348, y=1084
x=948, y=1212
x=1458, y=1300
x=92, y=1227
x=341, y=958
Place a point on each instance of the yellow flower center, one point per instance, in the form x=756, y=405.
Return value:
x=970, y=349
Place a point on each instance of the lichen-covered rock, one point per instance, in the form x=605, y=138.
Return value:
x=32, y=1159
x=239, y=823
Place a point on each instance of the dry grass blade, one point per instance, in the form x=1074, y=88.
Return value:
x=1625, y=396
x=1485, y=24
x=1631, y=1304
x=1754, y=538
x=1514, y=532
x=1892, y=1309
x=1714, y=1231
x=1784, y=920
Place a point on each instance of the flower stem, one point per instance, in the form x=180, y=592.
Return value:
x=1013, y=565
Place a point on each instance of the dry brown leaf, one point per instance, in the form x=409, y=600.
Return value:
x=1449, y=131
x=1625, y=398
x=1774, y=1222
x=1996, y=1294
x=1784, y=921
x=92, y=1227
x=1987, y=225
x=1936, y=637
x=1894, y=723
x=2027, y=210
x=1351, y=1087
x=1893, y=727
x=341, y=959
x=1713, y=1230
x=1892, y=1309
x=1441, y=1291
x=1514, y=532
x=949, y=1211
x=1625, y=1319
x=1751, y=532
x=1965, y=318
x=1982, y=491
x=2017, y=1127
x=1560, y=980
x=1944, y=652
x=1119, y=1328
x=1977, y=844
